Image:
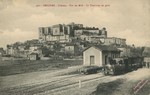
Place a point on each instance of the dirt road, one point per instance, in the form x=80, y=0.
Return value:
x=63, y=83
x=133, y=83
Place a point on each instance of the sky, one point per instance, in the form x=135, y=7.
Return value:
x=129, y=19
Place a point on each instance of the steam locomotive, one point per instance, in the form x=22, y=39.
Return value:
x=122, y=65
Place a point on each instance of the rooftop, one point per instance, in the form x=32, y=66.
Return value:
x=105, y=48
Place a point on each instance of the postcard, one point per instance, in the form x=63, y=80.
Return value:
x=74, y=47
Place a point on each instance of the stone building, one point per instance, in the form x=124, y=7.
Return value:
x=146, y=54
x=2, y=51
x=114, y=41
x=99, y=55
x=33, y=56
x=58, y=32
x=71, y=49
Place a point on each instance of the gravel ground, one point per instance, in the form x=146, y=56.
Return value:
x=66, y=82
x=126, y=83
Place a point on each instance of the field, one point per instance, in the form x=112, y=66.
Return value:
x=26, y=66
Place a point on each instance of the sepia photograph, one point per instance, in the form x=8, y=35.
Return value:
x=74, y=47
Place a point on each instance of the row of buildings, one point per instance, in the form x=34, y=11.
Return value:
x=63, y=39
x=34, y=48
x=66, y=33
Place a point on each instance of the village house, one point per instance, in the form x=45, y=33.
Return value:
x=86, y=38
x=71, y=49
x=97, y=39
x=33, y=56
x=91, y=34
x=114, y=41
x=2, y=51
x=10, y=50
x=91, y=31
x=147, y=62
x=146, y=54
x=22, y=54
x=99, y=55
x=33, y=48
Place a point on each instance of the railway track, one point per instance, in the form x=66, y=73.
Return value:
x=70, y=85
x=38, y=85
x=56, y=84
x=51, y=83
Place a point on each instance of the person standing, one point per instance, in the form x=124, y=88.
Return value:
x=148, y=64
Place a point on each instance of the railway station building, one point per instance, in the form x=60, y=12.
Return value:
x=99, y=55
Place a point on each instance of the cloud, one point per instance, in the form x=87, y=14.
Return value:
x=9, y=37
x=1, y=31
x=16, y=12
x=139, y=38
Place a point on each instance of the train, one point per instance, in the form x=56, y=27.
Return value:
x=123, y=65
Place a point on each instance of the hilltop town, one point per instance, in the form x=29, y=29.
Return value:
x=65, y=41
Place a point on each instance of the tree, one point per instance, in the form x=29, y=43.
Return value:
x=146, y=51
x=136, y=51
x=57, y=46
x=45, y=51
x=131, y=51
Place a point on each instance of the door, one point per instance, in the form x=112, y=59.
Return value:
x=92, y=60
x=106, y=58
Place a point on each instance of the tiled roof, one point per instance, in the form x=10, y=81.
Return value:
x=33, y=53
x=105, y=48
